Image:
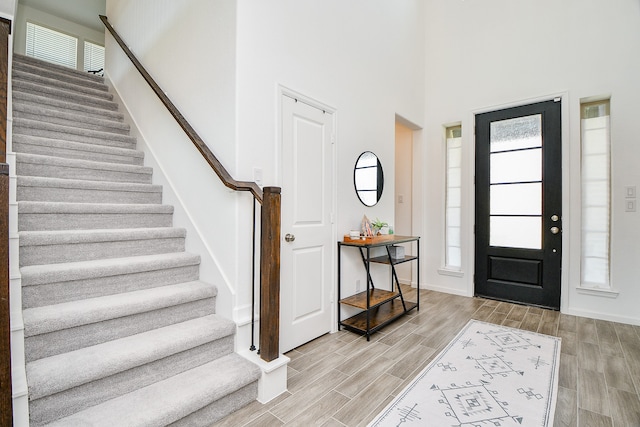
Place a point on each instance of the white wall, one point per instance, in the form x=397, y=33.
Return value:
x=363, y=58
x=497, y=53
x=26, y=13
x=403, y=217
x=188, y=47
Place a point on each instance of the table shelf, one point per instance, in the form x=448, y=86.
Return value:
x=378, y=307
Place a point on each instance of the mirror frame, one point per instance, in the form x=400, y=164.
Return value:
x=379, y=179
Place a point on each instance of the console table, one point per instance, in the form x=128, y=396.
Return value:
x=378, y=307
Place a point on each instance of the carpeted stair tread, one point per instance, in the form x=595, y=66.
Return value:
x=29, y=144
x=170, y=400
x=42, y=320
x=99, y=208
x=60, y=105
x=62, y=95
x=76, y=216
x=75, y=271
x=99, y=92
x=71, y=133
x=61, y=246
x=62, y=75
x=48, y=66
x=58, y=373
x=35, y=188
x=60, y=167
x=54, y=115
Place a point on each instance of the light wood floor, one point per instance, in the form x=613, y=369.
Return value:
x=342, y=380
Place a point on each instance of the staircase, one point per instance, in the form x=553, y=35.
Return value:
x=119, y=331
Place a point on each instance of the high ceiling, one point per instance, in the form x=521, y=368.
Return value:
x=84, y=12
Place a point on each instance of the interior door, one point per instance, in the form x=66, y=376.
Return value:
x=307, y=207
x=518, y=228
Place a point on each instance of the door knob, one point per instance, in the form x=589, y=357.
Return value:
x=289, y=237
x=554, y=230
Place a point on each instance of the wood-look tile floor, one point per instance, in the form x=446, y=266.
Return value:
x=341, y=379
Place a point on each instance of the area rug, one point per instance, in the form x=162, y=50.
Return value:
x=488, y=375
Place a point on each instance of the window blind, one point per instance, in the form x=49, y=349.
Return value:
x=453, y=250
x=596, y=194
x=93, y=56
x=52, y=46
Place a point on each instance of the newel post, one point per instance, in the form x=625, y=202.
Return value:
x=6, y=411
x=270, y=274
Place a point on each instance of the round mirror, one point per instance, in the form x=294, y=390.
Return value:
x=368, y=178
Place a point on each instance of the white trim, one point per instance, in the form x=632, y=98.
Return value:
x=599, y=292
x=450, y=272
x=446, y=290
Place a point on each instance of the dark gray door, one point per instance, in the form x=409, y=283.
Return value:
x=518, y=224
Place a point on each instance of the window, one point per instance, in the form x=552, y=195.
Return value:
x=93, y=57
x=453, y=252
x=51, y=46
x=596, y=189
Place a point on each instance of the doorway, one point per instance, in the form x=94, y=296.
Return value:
x=518, y=191
x=308, y=246
x=403, y=191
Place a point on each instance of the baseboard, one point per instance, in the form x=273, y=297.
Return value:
x=445, y=290
x=601, y=316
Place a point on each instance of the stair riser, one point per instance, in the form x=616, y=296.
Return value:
x=79, y=122
x=220, y=408
x=55, y=171
x=63, y=95
x=71, y=339
x=49, y=408
x=91, y=221
x=114, y=140
x=74, y=290
x=80, y=110
x=22, y=147
x=54, y=254
x=75, y=195
x=99, y=91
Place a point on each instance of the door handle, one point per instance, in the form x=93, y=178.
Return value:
x=289, y=237
x=554, y=230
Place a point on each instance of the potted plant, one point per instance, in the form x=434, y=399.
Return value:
x=380, y=227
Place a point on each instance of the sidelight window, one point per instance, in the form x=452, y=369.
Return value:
x=453, y=251
x=596, y=193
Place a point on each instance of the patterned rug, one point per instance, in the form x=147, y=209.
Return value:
x=488, y=375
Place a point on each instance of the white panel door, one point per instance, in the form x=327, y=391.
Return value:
x=307, y=206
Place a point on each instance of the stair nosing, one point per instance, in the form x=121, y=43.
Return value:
x=84, y=184
x=55, y=127
x=202, y=384
x=41, y=274
x=40, y=159
x=57, y=373
x=71, y=314
x=75, y=146
x=67, y=237
x=29, y=108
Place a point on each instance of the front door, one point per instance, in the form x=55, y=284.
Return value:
x=307, y=230
x=518, y=228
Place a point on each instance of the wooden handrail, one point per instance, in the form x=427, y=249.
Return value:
x=219, y=169
x=270, y=218
x=6, y=405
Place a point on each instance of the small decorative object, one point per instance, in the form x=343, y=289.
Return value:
x=354, y=234
x=367, y=229
x=378, y=227
x=397, y=252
